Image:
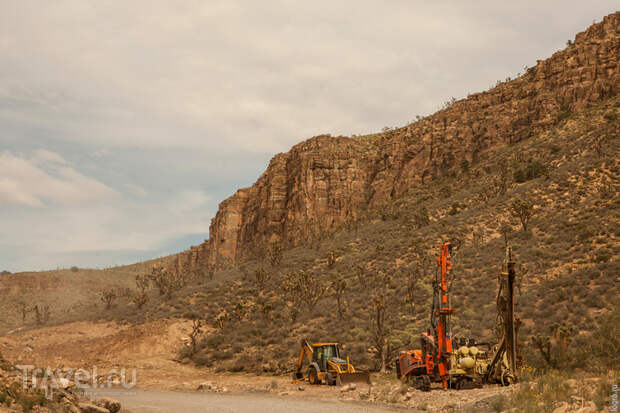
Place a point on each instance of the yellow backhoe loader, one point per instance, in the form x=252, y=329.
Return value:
x=325, y=365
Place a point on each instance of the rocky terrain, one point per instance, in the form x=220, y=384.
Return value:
x=21, y=391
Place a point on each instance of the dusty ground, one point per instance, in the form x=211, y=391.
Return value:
x=151, y=349
x=153, y=401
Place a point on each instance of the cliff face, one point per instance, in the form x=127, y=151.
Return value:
x=324, y=180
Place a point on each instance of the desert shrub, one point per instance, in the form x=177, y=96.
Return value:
x=29, y=401
x=421, y=217
x=602, y=256
x=464, y=165
x=499, y=403
x=215, y=341
x=74, y=269
x=561, y=116
x=243, y=363
x=602, y=348
x=202, y=359
x=532, y=170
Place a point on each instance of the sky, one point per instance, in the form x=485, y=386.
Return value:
x=123, y=124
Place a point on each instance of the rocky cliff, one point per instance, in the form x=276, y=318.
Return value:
x=321, y=182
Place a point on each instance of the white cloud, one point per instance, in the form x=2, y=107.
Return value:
x=44, y=178
x=260, y=75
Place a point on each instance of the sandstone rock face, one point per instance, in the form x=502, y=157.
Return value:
x=321, y=182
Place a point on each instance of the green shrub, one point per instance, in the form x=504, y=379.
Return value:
x=561, y=116
x=532, y=170
x=202, y=359
x=216, y=341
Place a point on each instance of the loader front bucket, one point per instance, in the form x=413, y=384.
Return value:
x=358, y=377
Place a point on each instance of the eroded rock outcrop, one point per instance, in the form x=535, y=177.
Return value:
x=324, y=180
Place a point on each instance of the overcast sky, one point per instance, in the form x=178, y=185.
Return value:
x=123, y=124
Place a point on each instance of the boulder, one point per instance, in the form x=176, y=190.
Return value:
x=92, y=408
x=112, y=405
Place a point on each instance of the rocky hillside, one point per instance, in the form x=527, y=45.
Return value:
x=339, y=230
x=322, y=182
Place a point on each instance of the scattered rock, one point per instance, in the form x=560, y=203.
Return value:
x=207, y=385
x=590, y=407
x=92, y=408
x=64, y=383
x=112, y=405
x=301, y=388
x=563, y=408
x=348, y=387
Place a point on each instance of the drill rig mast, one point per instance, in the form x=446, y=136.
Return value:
x=440, y=318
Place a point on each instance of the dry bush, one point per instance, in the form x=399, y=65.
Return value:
x=107, y=297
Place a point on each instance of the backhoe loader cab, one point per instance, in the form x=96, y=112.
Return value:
x=323, y=352
x=326, y=366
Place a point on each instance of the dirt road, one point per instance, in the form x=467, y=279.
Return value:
x=141, y=401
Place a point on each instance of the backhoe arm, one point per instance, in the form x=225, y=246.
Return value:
x=306, y=349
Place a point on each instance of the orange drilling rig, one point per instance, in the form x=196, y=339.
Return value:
x=432, y=363
x=460, y=363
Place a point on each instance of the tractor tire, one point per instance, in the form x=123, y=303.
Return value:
x=313, y=376
x=331, y=381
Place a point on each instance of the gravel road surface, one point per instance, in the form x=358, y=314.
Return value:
x=142, y=401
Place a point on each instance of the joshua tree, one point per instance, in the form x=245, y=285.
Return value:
x=275, y=254
x=553, y=348
x=107, y=297
x=305, y=287
x=24, y=310
x=382, y=314
x=196, y=330
x=522, y=209
x=165, y=282
x=262, y=276
x=140, y=299
x=339, y=285
x=478, y=238
x=221, y=319
x=505, y=229
x=42, y=314
x=265, y=305
x=331, y=259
